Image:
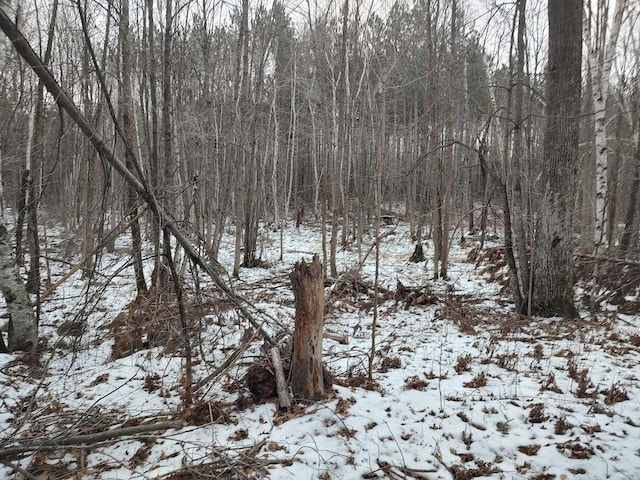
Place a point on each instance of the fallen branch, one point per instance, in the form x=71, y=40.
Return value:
x=19, y=470
x=284, y=399
x=208, y=470
x=228, y=363
x=32, y=445
x=616, y=260
x=342, y=338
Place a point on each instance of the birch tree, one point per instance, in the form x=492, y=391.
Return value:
x=600, y=62
x=23, y=325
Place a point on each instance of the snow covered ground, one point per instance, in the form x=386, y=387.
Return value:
x=462, y=387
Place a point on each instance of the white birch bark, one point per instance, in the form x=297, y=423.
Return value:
x=600, y=64
x=30, y=134
x=23, y=325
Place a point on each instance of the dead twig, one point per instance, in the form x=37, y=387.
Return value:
x=227, y=364
x=207, y=470
x=355, y=270
x=19, y=470
x=54, y=443
x=108, y=237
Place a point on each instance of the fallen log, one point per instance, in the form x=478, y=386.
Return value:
x=342, y=338
x=58, y=442
x=284, y=399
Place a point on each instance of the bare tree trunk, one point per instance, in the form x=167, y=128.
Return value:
x=253, y=194
x=307, y=281
x=339, y=84
x=23, y=325
x=601, y=63
x=35, y=166
x=445, y=193
x=185, y=326
x=92, y=225
x=33, y=240
x=515, y=234
x=154, y=167
x=630, y=217
x=125, y=104
x=276, y=149
x=380, y=164
x=614, y=182
x=167, y=138
x=88, y=241
x=587, y=190
x=21, y=206
x=240, y=122
x=554, y=248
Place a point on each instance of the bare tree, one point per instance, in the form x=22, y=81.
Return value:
x=126, y=114
x=34, y=166
x=241, y=92
x=554, y=243
x=515, y=174
x=600, y=62
x=630, y=218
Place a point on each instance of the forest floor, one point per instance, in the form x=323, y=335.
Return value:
x=462, y=387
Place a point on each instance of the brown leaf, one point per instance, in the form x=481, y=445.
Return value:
x=530, y=450
x=100, y=379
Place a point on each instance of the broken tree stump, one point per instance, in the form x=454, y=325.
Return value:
x=418, y=254
x=307, y=380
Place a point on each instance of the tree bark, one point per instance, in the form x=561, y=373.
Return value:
x=154, y=168
x=518, y=200
x=89, y=190
x=632, y=206
x=35, y=164
x=601, y=64
x=128, y=127
x=242, y=93
x=21, y=207
x=23, y=325
x=554, y=246
x=307, y=380
x=281, y=384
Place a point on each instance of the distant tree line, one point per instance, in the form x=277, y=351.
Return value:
x=239, y=114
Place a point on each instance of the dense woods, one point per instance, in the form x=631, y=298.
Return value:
x=186, y=119
x=243, y=115
x=239, y=115
x=195, y=138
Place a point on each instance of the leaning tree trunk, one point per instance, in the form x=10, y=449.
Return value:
x=307, y=380
x=554, y=248
x=23, y=325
